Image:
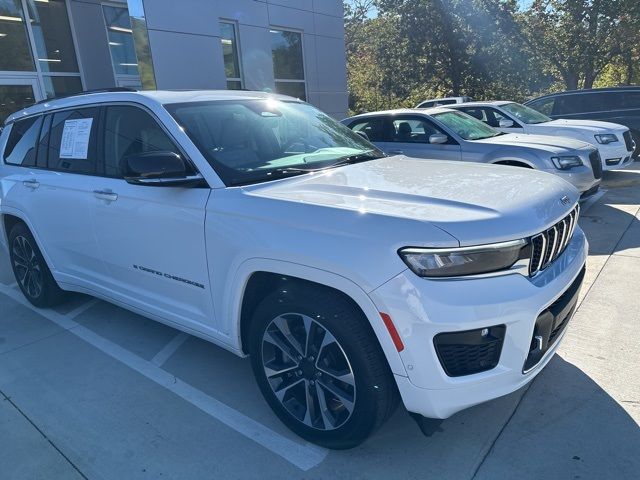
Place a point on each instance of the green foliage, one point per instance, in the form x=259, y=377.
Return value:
x=416, y=49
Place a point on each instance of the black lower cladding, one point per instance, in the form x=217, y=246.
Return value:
x=470, y=351
x=552, y=322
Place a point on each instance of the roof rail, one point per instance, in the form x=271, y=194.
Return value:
x=88, y=92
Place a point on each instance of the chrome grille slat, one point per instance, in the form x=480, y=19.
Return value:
x=547, y=246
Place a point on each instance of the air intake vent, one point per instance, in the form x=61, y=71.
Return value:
x=596, y=164
x=549, y=245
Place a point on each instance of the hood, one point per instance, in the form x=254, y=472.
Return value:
x=475, y=203
x=588, y=126
x=547, y=143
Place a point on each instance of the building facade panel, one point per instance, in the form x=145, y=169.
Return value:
x=294, y=47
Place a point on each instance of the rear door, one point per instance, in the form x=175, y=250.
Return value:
x=409, y=135
x=151, y=237
x=55, y=178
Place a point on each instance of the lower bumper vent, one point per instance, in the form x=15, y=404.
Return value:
x=471, y=351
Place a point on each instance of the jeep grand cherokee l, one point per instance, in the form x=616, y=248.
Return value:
x=260, y=224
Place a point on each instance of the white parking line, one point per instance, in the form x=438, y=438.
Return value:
x=301, y=454
x=170, y=348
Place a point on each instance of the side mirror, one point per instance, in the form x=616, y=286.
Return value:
x=505, y=123
x=438, y=138
x=363, y=135
x=162, y=168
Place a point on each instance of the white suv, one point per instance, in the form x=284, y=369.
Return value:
x=260, y=224
x=614, y=141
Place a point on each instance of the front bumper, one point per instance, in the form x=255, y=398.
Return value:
x=421, y=308
x=615, y=155
x=580, y=177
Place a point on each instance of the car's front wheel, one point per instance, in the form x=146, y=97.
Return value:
x=320, y=367
x=30, y=269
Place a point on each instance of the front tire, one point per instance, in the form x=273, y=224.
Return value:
x=30, y=269
x=320, y=367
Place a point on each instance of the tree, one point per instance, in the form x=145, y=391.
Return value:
x=578, y=39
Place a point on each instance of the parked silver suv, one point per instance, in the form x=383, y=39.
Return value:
x=447, y=134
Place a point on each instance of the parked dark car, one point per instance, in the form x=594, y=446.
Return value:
x=618, y=105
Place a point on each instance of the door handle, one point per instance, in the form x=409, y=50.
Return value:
x=107, y=195
x=396, y=152
x=31, y=183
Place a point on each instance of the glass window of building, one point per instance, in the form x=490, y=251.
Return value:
x=288, y=63
x=121, y=45
x=40, y=57
x=230, y=55
x=14, y=40
x=52, y=38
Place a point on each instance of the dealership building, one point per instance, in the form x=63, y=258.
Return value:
x=51, y=48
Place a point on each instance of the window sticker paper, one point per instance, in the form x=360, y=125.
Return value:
x=75, y=138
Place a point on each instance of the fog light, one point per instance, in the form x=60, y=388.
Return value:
x=470, y=351
x=612, y=161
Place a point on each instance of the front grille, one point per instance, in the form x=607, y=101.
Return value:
x=596, y=164
x=549, y=245
x=628, y=140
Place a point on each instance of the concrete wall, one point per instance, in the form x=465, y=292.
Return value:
x=185, y=44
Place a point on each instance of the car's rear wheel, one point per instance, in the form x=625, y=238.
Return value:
x=320, y=368
x=30, y=269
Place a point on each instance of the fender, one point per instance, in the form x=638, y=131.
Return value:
x=234, y=293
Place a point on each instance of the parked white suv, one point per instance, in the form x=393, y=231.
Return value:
x=614, y=141
x=446, y=134
x=264, y=226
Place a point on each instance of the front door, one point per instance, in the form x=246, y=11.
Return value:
x=17, y=93
x=151, y=238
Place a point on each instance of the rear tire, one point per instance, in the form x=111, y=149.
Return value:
x=30, y=269
x=320, y=367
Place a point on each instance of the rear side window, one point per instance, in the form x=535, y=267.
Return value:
x=72, y=141
x=373, y=127
x=131, y=131
x=22, y=144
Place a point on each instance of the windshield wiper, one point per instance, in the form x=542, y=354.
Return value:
x=338, y=162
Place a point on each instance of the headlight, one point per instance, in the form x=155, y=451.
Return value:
x=454, y=262
x=568, y=161
x=606, y=138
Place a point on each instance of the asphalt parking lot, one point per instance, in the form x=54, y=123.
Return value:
x=89, y=390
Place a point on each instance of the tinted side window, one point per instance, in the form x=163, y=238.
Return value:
x=427, y=105
x=631, y=99
x=22, y=142
x=567, y=104
x=130, y=131
x=72, y=142
x=413, y=130
x=544, y=105
x=373, y=127
x=446, y=102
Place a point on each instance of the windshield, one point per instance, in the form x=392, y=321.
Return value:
x=251, y=141
x=466, y=126
x=525, y=114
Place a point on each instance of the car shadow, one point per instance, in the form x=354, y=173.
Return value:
x=566, y=426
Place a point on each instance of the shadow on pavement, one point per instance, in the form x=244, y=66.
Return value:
x=566, y=427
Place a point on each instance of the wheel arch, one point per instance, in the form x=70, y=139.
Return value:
x=11, y=217
x=260, y=277
x=513, y=163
